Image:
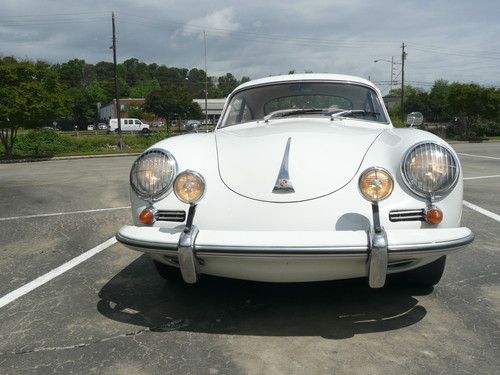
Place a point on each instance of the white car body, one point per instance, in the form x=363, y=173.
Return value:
x=128, y=125
x=322, y=231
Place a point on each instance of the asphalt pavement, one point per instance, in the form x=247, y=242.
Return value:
x=113, y=314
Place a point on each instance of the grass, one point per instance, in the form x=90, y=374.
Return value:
x=47, y=143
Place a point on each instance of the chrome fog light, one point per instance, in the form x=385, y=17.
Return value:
x=430, y=170
x=376, y=184
x=152, y=174
x=189, y=187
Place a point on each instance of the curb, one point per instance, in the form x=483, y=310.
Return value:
x=76, y=157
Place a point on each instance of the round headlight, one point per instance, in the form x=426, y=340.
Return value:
x=430, y=170
x=189, y=186
x=153, y=173
x=376, y=184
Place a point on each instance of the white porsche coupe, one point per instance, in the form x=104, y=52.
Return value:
x=303, y=179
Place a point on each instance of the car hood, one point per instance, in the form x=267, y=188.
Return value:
x=323, y=156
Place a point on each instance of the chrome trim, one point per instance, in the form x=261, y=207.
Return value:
x=187, y=259
x=435, y=195
x=201, y=249
x=145, y=245
x=407, y=215
x=283, y=185
x=171, y=215
x=171, y=249
x=372, y=169
x=168, y=188
x=197, y=174
x=377, y=259
x=423, y=247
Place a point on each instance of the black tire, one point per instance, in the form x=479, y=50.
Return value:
x=170, y=273
x=425, y=276
x=145, y=131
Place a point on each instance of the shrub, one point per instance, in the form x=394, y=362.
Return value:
x=40, y=143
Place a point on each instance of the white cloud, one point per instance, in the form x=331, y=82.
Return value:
x=261, y=37
x=220, y=23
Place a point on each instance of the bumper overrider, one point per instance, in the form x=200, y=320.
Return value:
x=378, y=248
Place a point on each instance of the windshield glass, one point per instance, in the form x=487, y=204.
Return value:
x=309, y=99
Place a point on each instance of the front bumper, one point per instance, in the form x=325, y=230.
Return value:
x=377, y=252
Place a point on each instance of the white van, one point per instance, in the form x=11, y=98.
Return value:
x=129, y=125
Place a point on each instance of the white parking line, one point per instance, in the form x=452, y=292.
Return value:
x=62, y=213
x=15, y=294
x=478, y=156
x=490, y=214
x=481, y=177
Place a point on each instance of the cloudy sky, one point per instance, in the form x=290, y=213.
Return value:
x=456, y=40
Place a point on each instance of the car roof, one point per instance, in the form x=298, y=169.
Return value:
x=306, y=77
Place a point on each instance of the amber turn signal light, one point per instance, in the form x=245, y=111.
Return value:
x=433, y=215
x=147, y=216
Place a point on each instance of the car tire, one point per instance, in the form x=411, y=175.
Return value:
x=170, y=273
x=425, y=276
x=145, y=131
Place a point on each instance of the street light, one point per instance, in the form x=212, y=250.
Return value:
x=392, y=62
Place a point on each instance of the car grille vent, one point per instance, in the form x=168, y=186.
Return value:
x=407, y=215
x=178, y=216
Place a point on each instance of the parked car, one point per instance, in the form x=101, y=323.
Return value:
x=128, y=125
x=54, y=128
x=304, y=179
x=102, y=126
x=91, y=127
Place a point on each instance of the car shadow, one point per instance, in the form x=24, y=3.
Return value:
x=335, y=310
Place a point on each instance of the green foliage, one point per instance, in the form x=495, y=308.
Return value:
x=227, y=84
x=30, y=94
x=40, y=143
x=172, y=103
x=159, y=136
x=143, y=89
x=439, y=106
x=472, y=111
x=71, y=73
x=48, y=143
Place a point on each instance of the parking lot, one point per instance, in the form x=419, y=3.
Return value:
x=109, y=311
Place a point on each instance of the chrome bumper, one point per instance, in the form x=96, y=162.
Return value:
x=376, y=248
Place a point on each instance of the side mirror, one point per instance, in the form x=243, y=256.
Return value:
x=414, y=119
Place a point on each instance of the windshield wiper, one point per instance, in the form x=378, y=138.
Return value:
x=291, y=112
x=353, y=112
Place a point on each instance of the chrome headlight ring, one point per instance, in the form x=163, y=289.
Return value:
x=153, y=186
x=431, y=154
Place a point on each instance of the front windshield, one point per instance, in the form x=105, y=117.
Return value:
x=311, y=99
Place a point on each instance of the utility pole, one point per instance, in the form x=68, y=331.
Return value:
x=403, y=57
x=206, y=80
x=392, y=72
x=117, y=91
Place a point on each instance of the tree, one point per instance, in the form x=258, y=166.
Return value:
x=109, y=89
x=172, y=102
x=142, y=89
x=72, y=72
x=104, y=71
x=476, y=109
x=135, y=71
x=227, y=83
x=30, y=94
x=84, y=102
x=244, y=79
x=438, y=101
x=196, y=83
